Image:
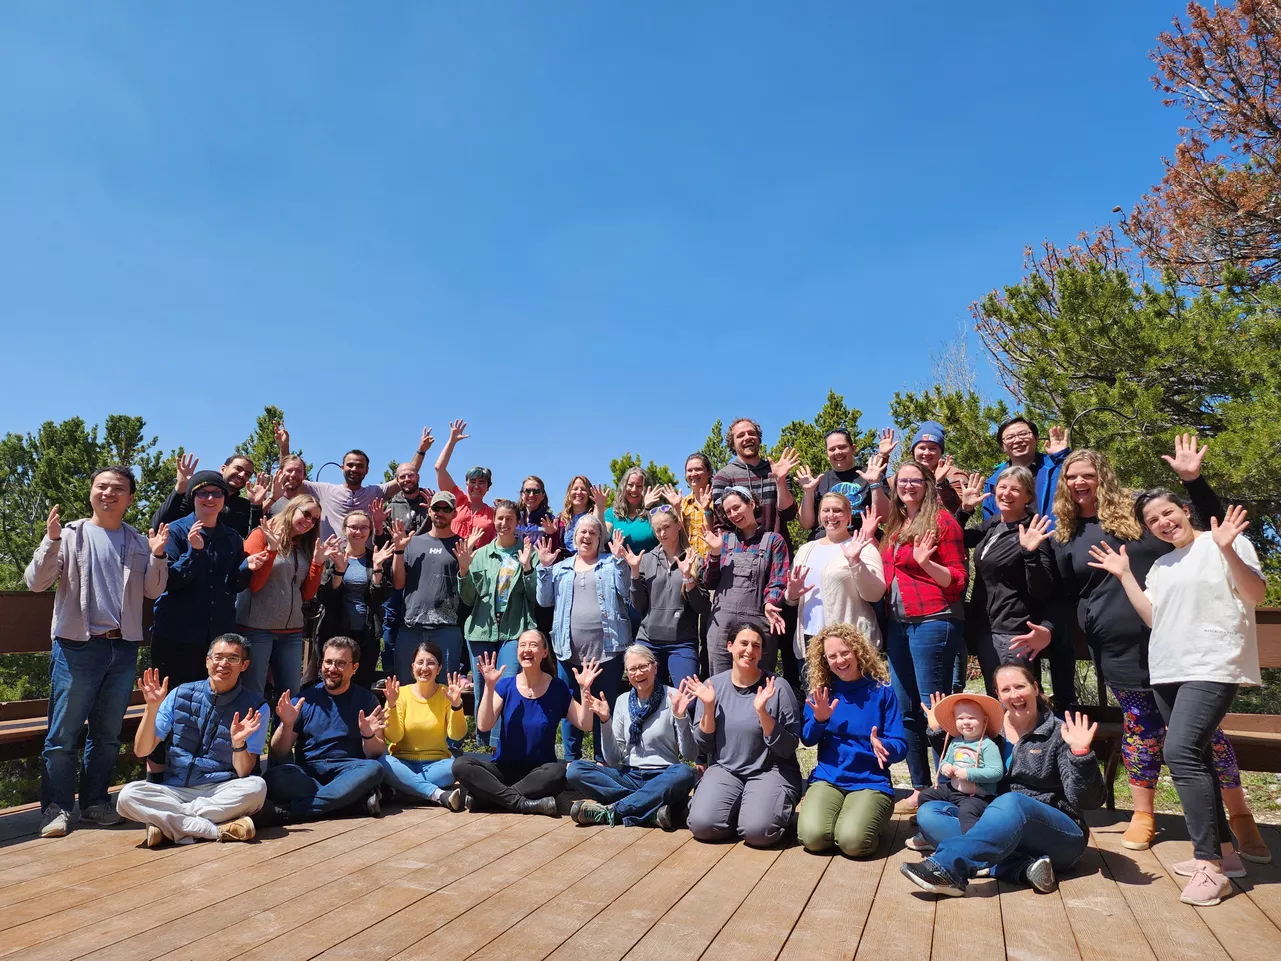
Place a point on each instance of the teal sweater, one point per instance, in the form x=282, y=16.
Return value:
x=982, y=761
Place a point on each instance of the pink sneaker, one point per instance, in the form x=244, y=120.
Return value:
x=1231, y=864
x=1206, y=888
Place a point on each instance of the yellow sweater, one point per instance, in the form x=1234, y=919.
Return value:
x=416, y=729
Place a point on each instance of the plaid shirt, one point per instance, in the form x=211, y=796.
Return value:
x=760, y=481
x=921, y=594
x=695, y=522
x=762, y=540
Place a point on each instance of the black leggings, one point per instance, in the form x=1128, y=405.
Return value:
x=1192, y=712
x=969, y=807
x=506, y=787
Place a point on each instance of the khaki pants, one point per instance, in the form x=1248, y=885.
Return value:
x=187, y=813
x=850, y=820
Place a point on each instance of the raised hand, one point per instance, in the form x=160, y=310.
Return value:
x=525, y=556
x=774, y=617
x=184, y=468
x=616, y=544
x=1058, y=439
x=586, y=676
x=923, y=547
x=489, y=669
x=794, y=587
x=597, y=705
x=256, y=562
x=548, y=524
x=424, y=444
x=704, y=498
x=400, y=537
x=785, y=463
x=372, y=724
x=53, y=524
x=153, y=689
x=600, y=494
x=633, y=560
x=1033, y=642
x=878, y=748
x=456, y=688
x=700, y=691
x=652, y=496
x=457, y=431
x=822, y=704
x=333, y=551
x=377, y=515
x=157, y=539
x=1034, y=532
x=195, y=537
x=463, y=553
x=685, y=564
x=1234, y=524
x=269, y=535
x=383, y=554
x=259, y=488
x=713, y=541
x=1077, y=732
x=287, y=710
x=282, y=437
x=766, y=691
x=546, y=552
x=853, y=548
x=1187, y=458
x=242, y=728
x=887, y=442
x=672, y=495
x=806, y=478
x=680, y=700
x=1106, y=559
x=944, y=468
x=930, y=718
x=391, y=691
x=972, y=493
x=876, y=465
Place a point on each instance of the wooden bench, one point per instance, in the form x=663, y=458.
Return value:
x=1256, y=738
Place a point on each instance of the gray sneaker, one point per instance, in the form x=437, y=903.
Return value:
x=102, y=814
x=1040, y=874
x=54, y=822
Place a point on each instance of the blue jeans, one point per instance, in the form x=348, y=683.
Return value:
x=88, y=681
x=506, y=654
x=922, y=658
x=1013, y=831
x=393, y=609
x=312, y=790
x=608, y=686
x=635, y=792
x=417, y=779
x=449, y=638
x=282, y=653
x=677, y=661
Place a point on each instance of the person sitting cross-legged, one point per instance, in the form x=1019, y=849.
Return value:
x=215, y=730
x=650, y=731
x=338, y=727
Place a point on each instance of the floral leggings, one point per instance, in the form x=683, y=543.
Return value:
x=1143, y=737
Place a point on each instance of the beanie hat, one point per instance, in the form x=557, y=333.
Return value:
x=931, y=431
x=206, y=478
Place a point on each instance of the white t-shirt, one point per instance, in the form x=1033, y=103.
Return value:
x=812, y=601
x=1201, y=629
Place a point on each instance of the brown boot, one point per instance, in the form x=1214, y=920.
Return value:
x=1250, y=843
x=1138, y=836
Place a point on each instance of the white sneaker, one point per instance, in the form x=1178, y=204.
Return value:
x=103, y=814
x=54, y=822
x=918, y=842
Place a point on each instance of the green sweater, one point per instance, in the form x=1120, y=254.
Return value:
x=479, y=589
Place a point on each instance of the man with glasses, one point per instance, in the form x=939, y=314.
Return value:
x=339, y=500
x=1019, y=438
x=241, y=513
x=214, y=731
x=104, y=570
x=335, y=734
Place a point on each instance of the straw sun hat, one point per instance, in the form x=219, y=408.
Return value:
x=945, y=712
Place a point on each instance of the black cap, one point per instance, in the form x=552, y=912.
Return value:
x=206, y=478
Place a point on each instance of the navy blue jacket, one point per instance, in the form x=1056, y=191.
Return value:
x=199, y=750
x=1045, y=468
x=199, y=602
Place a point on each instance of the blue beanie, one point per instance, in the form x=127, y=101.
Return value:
x=930, y=430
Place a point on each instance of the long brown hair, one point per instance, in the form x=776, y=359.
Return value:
x=283, y=526
x=898, y=529
x=870, y=663
x=1116, y=504
x=567, y=514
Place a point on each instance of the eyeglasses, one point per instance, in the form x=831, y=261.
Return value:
x=208, y=493
x=532, y=490
x=336, y=665
x=358, y=529
x=1023, y=436
x=910, y=482
x=638, y=669
x=226, y=658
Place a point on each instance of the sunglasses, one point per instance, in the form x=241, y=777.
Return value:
x=661, y=509
x=441, y=509
x=208, y=493
x=308, y=516
x=532, y=490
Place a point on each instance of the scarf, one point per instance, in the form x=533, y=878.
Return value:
x=640, y=712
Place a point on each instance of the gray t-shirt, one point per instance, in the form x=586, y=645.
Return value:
x=739, y=745
x=105, y=577
x=431, y=582
x=586, y=632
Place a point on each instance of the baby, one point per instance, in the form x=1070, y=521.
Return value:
x=972, y=766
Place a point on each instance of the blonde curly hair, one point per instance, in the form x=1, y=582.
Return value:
x=870, y=662
x=1116, y=504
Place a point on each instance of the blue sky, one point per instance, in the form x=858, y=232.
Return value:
x=584, y=227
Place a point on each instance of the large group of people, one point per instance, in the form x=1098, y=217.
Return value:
x=686, y=633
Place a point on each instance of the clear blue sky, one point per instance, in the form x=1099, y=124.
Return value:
x=585, y=227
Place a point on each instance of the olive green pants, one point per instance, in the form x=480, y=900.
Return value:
x=852, y=821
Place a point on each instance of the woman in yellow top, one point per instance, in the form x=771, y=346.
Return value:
x=420, y=722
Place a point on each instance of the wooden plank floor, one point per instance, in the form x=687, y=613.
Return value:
x=423, y=883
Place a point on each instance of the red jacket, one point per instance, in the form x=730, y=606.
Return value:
x=921, y=593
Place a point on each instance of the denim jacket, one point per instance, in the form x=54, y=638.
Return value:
x=613, y=585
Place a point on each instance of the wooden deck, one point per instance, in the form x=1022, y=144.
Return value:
x=424, y=883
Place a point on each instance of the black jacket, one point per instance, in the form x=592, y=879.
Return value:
x=1042, y=766
x=1012, y=586
x=237, y=512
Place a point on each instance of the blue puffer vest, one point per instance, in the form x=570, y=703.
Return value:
x=199, y=749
